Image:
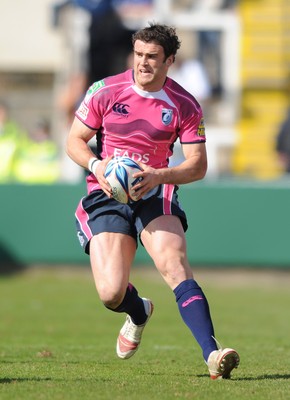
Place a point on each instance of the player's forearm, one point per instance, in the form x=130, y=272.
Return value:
x=79, y=152
x=186, y=172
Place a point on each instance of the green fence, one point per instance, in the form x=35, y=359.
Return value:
x=230, y=223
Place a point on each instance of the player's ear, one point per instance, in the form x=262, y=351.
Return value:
x=169, y=61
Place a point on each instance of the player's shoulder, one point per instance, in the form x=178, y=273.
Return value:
x=109, y=85
x=184, y=101
x=179, y=92
x=119, y=81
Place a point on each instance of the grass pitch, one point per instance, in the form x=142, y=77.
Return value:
x=58, y=341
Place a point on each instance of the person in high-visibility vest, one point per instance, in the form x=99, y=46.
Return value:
x=37, y=160
x=11, y=138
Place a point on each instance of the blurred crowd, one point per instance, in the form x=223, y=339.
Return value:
x=97, y=37
x=97, y=43
x=27, y=157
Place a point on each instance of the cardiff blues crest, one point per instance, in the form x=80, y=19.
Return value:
x=166, y=116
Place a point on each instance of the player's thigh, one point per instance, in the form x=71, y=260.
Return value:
x=164, y=235
x=164, y=239
x=111, y=256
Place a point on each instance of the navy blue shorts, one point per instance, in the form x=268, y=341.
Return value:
x=98, y=213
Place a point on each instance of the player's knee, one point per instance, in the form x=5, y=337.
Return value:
x=110, y=297
x=175, y=270
x=171, y=261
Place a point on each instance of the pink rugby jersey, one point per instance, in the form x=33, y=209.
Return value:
x=139, y=124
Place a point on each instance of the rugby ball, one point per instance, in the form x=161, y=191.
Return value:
x=119, y=173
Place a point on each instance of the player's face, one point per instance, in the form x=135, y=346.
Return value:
x=150, y=66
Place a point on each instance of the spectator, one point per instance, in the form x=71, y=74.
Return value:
x=191, y=74
x=11, y=138
x=209, y=41
x=97, y=47
x=37, y=160
x=73, y=20
x=109, y=41
x=283, y=144
x=98, y=42
x=134, y=12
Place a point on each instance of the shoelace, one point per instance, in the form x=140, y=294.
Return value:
x=220, y=347
x=132, y=330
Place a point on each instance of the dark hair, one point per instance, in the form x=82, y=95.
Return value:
x=163, y=35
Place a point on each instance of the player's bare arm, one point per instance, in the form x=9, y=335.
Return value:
x=192, y=169
x=78, y=150
x=76, y=144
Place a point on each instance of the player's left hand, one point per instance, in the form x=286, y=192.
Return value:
x=150, y=179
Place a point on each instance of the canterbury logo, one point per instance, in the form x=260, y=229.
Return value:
x=120, y=108
x=191, y=299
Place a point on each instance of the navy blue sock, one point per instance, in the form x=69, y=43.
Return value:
x=194, y=310
x=132, y=305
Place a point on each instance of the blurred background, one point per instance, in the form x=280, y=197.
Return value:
x=235, y=59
